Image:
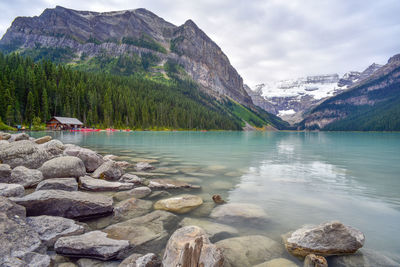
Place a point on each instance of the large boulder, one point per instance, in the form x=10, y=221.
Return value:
x=143, y=166
x=148, y=260
x=11, y=190
x=28, y=259
x=179, y=204
x=65, y=204
x=66, y=184
x=109, y=170
x=92, y=184
x=63, y=167
x=91, y=159
x=4, y=136
x=246, y=251
x=24, y=153
x=94, y=245
x=43, y=139
x=332, y=238
x=146, y=234
x=363, y=258
x=26, y=177
x=190, y=246
x=18, y=137
x=50, y=228
x=138, y=192
x=53, y=148
x=239, y=213
x=5, y=173
x=279, y=262
x=170, y=184
x=214, y=231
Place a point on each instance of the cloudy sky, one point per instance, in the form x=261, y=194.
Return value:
x=268, y=39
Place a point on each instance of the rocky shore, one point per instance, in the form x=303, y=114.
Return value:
x=64, y=205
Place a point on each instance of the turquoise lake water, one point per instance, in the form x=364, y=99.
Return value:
x=298, y=178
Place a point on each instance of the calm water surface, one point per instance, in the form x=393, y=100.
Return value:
x=298, y=178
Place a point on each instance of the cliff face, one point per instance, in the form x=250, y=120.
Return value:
x=96, y=33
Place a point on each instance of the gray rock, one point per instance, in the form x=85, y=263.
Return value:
x=95, y=245
x=239, y=213
x=5, y=173
x=326, y=239
x=96, y=263
x=18, y=137
x=313, y=260
x=279, y=262
x=204, y=210
x=146, y=234
x=214, y=231
x=11, y=190
x=190, y=246
x=143, y=166
x=30, y=259
x=109, y=170
x=131, y=208
x=131, y=178
x=170, y=184
x=91, y=159
x=246, y=251
x=179, y=204
x=11, y=210
x=363, y=258
x=23, y=153
x=138, y=192
x=159, y=194
x=138, y=260
x=66, y=184
x=50, y=228
x=43, y=139
x=92, y=184
x=4, y=136
x=53, y=148
x=65, y=204
x=110, y=157
x=26, y=177
x=63, y=167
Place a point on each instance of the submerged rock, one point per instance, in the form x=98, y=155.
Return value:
x=131, y=208
x=94, y=245
x=143, y=166
x=92, y=184
x=66, y=166
x=26, y=177
x=109, y=170
x=146, y=234
x=239, y=213
x=11, y=190
x=246, y=251
x=214, y=231
x=333, y=238
x=170, y=184
x=190, y=246
x=66, y=184
x=363, y=258
x=138, y=192
x=280, y=262
x=43, y=139
x=179, y=204
x=65, y=204
x=313, y=260
x=91, y=159
x=135, y=260
x=134, y=179
x=50, y=228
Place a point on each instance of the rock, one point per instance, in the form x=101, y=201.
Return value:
x=148, y=174
x=138, y=192
x=29, y=259
x=53, y=148
x=4, y=136
x=135, y=260
x=43, y=139
x=144, y=160
x=5, y=172
x=95, y=245
x=146, y=234
x=362, y=258
x=66, y=184
x=26, y=177
x=170, y=184
x=11, y=210
x=67, y=264
x=11, y=190
x=159, y=194
x=221, y=185
x=326, y=239
x=204, y=210
x=18, y=137
x=280, y=262
x=190, y=246
x=65, y=204
x=50, y=228
x=110, y=157
x=63, y=167
x=123, y=164
x=131, y=208
x=143, y=166
x=109, y=170
x=179, y=204
x=92, y=184
x=134, y=179
x=91, y=159
x=249, y=250
x=313, y=260
x=239, y=213
x=218, y=199
x=214, y=231
x=96, y=263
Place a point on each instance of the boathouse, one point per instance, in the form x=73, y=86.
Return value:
x=63, y=123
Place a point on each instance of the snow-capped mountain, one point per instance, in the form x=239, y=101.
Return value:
x=289, y=99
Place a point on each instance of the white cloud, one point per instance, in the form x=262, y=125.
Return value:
x=268, y=39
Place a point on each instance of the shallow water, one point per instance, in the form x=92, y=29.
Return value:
x=298, y=178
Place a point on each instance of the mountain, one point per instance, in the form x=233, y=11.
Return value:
x=139, y=44
x=291, y=99
x=371, y=103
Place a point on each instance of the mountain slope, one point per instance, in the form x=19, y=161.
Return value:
x=371, y=104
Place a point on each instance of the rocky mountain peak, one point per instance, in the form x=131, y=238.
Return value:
x=394, y=58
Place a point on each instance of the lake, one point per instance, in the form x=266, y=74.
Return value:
x=296, y=177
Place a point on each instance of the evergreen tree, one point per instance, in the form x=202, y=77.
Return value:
x=29, y=109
